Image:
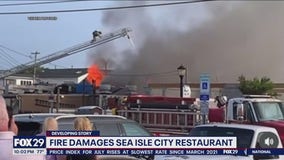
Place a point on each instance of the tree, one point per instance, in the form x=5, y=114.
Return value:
x=256, y=86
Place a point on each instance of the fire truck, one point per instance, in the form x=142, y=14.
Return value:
x=177, y=116
x=97, y=40
x=261, y=110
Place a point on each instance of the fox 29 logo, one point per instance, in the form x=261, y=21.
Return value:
x=29, y=142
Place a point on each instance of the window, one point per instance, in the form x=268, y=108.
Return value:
x=235, y=117
x=133, y=129
x=65, y=126
x=107, y=129
x=23, y=82
x=244, y=136
x=10, y=81
x=269, y=110
x=28, y=128
x=248, y=115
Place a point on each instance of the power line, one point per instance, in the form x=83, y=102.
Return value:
x=22, y=54
x=105, y=8
x=9, y=59
x=39, y=3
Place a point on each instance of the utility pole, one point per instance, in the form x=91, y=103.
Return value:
x=34, y=77
x=58, y=101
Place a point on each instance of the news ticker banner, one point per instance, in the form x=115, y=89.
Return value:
x=89, y=142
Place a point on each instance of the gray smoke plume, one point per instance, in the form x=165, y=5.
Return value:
x=231, y=39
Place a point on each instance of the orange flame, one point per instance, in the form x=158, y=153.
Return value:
x=95, y=75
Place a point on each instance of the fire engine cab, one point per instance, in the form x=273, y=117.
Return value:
x=259, y=110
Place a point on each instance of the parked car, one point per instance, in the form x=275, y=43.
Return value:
x=31, y=124
x=109, y=125
x=248, y=136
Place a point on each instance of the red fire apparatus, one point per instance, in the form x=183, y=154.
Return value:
x=159, y=114
x=174, y=115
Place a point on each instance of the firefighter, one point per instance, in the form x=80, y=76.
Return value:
x=221, y=101
x=96, y=34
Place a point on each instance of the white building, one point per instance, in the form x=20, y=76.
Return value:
x=46, y=80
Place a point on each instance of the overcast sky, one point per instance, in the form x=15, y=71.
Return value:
x=224, y=39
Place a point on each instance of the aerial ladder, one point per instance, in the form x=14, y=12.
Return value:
x=100, y=39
